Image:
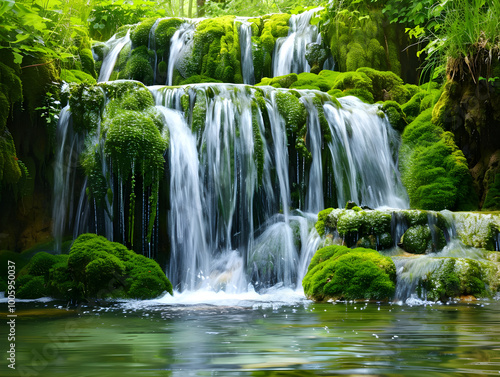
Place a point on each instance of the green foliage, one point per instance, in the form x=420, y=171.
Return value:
x=433, y=170
x=86, y=103
x=292, y=110
x=337, y=272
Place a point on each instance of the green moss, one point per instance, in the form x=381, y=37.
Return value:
x=198, y=79
x=433, y=169
x=312, y=81
x=320, y=224
x=133, y=138
x=140, y=34
x=138, y=67
x=292, y=110
x=421, y=239
x=316, y=56
x=492, y=199
x=386, y=85
x=86, y=104
x=279, y=81
x=395, y=115
x=87, y=61
x=107, y=268
x=215, y=52
x=39, y=76
x=10, y=172
x=29, y=287
x=76, y=76
x=337, y=272
x=454, y=277
x=199, y=112
x=165, y=30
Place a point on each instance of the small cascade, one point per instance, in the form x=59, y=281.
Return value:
x=290, y=51
x=362, y=161
x=180, y=45
x=411, y=271
x=314, y=196
x=189, y=254
x=247, y=71
x=66, y=161
x=115, y=46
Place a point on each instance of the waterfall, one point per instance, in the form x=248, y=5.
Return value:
x=115, y=46
x=229, y=220
x=363, y=165
x=185, y=219
x=290, y=51
x=180, y=45
x=247, y=71
x=314, y=196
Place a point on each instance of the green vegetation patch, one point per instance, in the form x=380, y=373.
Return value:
x=433, y=170
x=337, y=272
x=94, y=268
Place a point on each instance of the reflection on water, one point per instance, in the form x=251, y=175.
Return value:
x=257, y=339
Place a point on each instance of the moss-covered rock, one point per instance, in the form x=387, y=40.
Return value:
x=95, y=268
x=337, y=272
x=140, y=34
x=477, y=230
x=421, y=239
x=454, y=277
x=109, y=269
x=86, y=103
x=433, y=170
x=76, y=76
x=138, y=67
x=395, y=115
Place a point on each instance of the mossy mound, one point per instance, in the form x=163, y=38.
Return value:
x=138, y=66
x=215, y=52
x=456, y=277
x=337, y=272
x=94, y=268
x=433, y=170
x=86, y=103
x=421, y=239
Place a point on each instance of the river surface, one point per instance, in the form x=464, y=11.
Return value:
x=279, y=334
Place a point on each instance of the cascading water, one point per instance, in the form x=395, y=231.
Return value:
x=180, y=45
x=115, y=46
x=247, y=70
x=229, y=177
x=362, y=160
x=290, y=52
x=189, y=251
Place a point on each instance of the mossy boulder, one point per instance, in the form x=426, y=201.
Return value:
x=337, y=272
x=138, y=66
x=395, y=114
x=111, y=269
x=421, y=239
x=94, y=268
x=86, y=103
x=453, y=278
